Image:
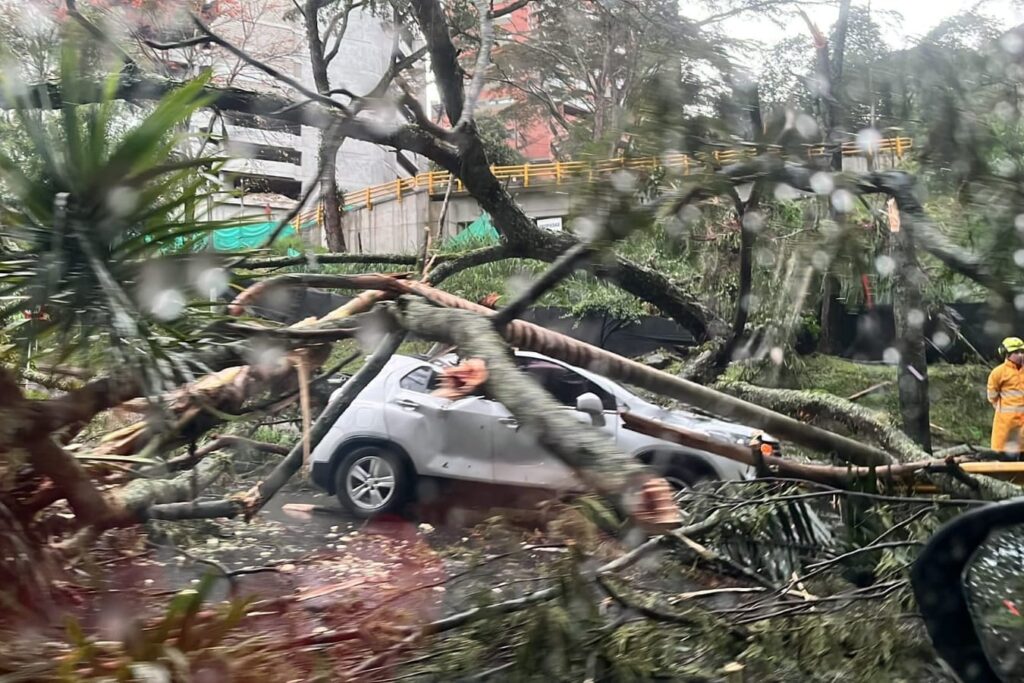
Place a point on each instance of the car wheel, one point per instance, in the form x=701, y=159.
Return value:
x=372, y=480
x=678, y=470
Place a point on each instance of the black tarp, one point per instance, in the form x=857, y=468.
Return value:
x=863, y=336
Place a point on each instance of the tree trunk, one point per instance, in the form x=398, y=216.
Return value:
x=831, y=309
x=528, y=336
x=333, y=233
x=591, y=454
x=830, y=412
x=329, y=146
x=909, y=313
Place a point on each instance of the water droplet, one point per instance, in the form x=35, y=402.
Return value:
x=869, y=140
x=265, y=356
x=690, y=215
x=1018, y=222
x=786, y=193
x=753, y=221
x=624, y=182
x=1005, y=110
x=821, y=183
x=1018, y=257
x=1012, y=43
x=891, y=356
x=820, y=260
x=843, y=201
x=885, y=265
x=806, y=126
x=212, y=281
x=1018, y=302
x=167, y=304
x=776, y=355
x=586, y=228
x=122, y=201
x=915, y=317
x=941, y=339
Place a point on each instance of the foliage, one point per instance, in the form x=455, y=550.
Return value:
x=77, y=234
x=494, y=136
x=180, y=644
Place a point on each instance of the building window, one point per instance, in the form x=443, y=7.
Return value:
x=251, y=150
x=243, y=120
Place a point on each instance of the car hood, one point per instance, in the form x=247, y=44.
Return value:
x=697, y=422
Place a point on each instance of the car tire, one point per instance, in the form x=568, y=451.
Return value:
x=372, y=481
x=676, y=469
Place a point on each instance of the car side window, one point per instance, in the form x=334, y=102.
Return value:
x=564, y=384
x=422, y=380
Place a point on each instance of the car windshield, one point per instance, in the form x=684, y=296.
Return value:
x=486, y=340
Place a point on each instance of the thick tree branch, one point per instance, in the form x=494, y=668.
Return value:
x=266, y=68
x=483, y=62
x=535, y=338
x=596, y=460
x=444, y=58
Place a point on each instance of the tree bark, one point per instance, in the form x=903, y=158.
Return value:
x=909, y=313
x=589, y=453
x=528, y=336
x=136, y=497
x=334, y=233
x=834, y=413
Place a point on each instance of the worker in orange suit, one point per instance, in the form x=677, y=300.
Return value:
x=1006, y=394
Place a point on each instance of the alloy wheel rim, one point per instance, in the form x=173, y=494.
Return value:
x=370, y=482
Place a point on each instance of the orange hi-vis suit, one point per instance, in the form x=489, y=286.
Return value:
x=1006, y=394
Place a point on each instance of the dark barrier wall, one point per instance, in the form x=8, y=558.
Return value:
x=626, y=338
x=861, y=336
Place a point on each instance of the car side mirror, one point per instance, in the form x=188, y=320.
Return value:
x=590, y=404
x=970, y=591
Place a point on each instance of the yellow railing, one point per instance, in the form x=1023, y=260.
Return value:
x=558, y=172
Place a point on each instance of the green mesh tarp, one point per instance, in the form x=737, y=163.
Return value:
x=477, y=233
x=249, y=236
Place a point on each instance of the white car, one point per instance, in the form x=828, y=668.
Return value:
x=396, y=431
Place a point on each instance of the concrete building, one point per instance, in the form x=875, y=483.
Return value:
x=273, y=162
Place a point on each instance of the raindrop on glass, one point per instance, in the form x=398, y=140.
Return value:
x=121, y=201
x=1018, y=257
x=843, y=201
x=915, y=318
x=785, y=193
x=167, y=304
x=806, y=126
x=820, y=260
x=624, y=182
x=1018, y=302
x=821, y=183
x=776, y=355
x=586, y=229
x=885, y=265
x=891, y=356
x=1004, y=110
x=753, y=221
x=212, y=281
x=690, y=215
x=941, y=339
x=869, y=140
x=1012, y=43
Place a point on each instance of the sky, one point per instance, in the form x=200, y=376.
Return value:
x=919, y=16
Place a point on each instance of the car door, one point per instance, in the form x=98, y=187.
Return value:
x=444, y=438
x=518, y=456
